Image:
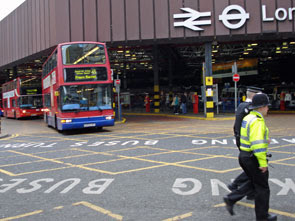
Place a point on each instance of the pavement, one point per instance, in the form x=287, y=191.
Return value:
x=153, y=167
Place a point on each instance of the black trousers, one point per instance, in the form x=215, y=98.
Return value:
x=258, y=181
x=241, y=179
x=245, y=188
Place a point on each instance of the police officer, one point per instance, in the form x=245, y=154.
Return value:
x=241, y=186
x=242, y=111
x=254, y=142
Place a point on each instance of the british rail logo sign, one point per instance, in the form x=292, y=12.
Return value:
x=232, y=17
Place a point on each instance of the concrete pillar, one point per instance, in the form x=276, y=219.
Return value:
x=170, y=71
x=156, y=80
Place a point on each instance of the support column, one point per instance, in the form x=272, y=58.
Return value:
x=170, y=72
x=156, y=80
x=209, y=81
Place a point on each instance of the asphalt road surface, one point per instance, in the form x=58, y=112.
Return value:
x=150, y=168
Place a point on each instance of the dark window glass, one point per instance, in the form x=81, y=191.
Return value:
x=47, y=100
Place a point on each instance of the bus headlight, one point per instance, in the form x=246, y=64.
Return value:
x=109, y=117
x=66, y=121
x=24, y=111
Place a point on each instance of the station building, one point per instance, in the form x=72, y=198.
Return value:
x=160, y=46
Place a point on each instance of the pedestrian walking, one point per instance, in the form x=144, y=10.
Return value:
x=175, y=104
x=147, y=103
x=241, y=181
x=254, y=141
x=183, y=100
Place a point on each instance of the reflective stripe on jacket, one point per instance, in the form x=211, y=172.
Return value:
x=254, y=136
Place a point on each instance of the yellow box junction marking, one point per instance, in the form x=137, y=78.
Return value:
x=180, y=217
x=99, y=209
x=22, y=215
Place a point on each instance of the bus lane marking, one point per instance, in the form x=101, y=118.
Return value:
x=99, y=209
x=179, y=217
x=279, y=212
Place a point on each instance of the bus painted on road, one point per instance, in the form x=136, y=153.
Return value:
x=22, y=97
x=77, y=86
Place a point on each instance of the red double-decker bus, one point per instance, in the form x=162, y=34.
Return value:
x=22, y=97
x=77, y=86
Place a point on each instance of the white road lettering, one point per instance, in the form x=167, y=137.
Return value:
x=35, y=185
x=286, y=186
x=95, y=188
x=181, y=188
x=11, y=185
x=215, y=184
x=75, y=181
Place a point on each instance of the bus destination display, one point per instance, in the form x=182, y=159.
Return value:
x=85, y=74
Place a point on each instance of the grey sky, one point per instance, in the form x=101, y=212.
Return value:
x=7, y=6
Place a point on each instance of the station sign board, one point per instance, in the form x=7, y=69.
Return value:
x=232, y=17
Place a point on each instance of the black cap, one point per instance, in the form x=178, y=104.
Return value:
x=259, y=100
x=254, y=89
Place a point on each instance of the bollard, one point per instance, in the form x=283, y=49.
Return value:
x=147, y=103
x=196, y=103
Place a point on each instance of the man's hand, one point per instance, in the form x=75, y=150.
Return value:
x=263, y=169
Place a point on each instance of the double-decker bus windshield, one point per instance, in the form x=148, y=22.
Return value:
x=88, y=97
x=30, y=101
x=83, y=54
x=30, y=93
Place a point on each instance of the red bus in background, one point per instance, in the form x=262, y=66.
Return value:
x=77, y=87
x=22, y=97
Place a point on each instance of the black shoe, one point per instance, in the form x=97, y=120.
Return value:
x=229, y=206
x=232, y=186
x=270, y=217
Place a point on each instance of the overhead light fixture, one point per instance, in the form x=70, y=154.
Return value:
x=254, y=44
x=292, y=43
x=246, y=53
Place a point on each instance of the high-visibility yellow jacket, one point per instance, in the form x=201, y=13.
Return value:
x=254, y=136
